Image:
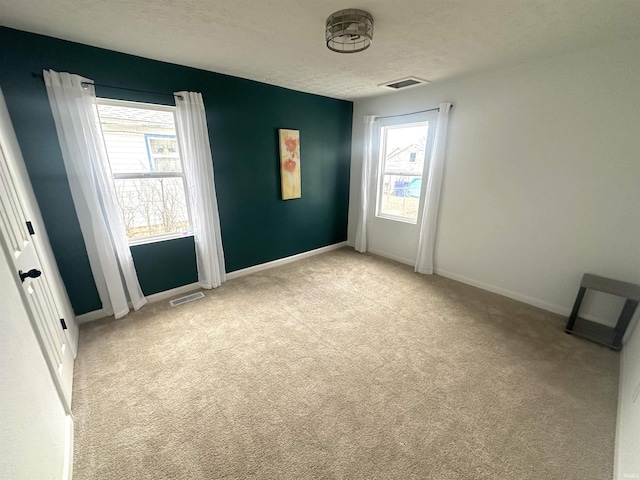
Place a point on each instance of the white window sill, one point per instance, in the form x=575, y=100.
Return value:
x=395, y=218
x=157, y=238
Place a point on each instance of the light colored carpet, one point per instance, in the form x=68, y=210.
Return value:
x=343, y=366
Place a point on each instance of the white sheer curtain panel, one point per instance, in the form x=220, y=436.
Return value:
x=368, y=182
x=73, y=104
x=193, y=138
x=426, y=244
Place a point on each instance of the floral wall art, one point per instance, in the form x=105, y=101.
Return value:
x=290, y=163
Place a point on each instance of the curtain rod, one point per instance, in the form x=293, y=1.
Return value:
x=41, y=77
x=412, y=113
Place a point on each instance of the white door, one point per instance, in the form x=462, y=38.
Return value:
x=36, y=439
x=37, y=294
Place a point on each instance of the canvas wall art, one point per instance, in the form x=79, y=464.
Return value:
x=290, y=163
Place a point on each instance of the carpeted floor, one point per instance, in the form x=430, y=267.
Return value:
x=343, y=366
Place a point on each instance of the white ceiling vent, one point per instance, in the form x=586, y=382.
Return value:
x=403, y=83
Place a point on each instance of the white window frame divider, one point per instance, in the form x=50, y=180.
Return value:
x=131, y=176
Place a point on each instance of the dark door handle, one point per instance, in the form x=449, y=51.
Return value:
x=33, y=273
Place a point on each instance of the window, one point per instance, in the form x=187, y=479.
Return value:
x=402, y=161
x=163, y=153
x=148, y=177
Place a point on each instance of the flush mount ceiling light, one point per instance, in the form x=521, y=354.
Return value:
x=349, y=31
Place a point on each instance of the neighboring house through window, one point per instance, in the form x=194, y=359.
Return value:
x=148, y=176
x=162, y=151
x=402, y=163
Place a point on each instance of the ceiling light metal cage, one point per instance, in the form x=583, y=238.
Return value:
x=349, y=31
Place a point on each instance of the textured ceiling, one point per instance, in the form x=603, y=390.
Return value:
x=281, y=42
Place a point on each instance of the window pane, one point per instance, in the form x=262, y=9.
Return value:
x=161, y=146
x=152, y=206
x=163, y=152
x=403, y=162
x=400, y=195
x=139, y=140
x=168, y=164
x=405, y=148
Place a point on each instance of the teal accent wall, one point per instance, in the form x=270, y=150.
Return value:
x=243, y=118
x=165, y=265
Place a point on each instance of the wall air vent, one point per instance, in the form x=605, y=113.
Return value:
x=403, y=83
x=188, y=298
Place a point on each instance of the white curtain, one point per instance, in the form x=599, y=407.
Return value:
x=368, y=182
x=193, y=138
x=73, y=104
x=424, y=261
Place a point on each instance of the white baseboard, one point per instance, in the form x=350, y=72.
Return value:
x=488, y=287
x=91, y=316
x=406, y=261
x=505, y=293
x=284, y=261
x=564, y=311
x=174, y=292
x=156, y=297
x=492, y=288
x=67, y=471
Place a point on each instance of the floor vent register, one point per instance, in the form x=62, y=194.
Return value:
x=188, y=298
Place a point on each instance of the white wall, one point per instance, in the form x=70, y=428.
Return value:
x=541, y=184
x=542, y=176
x=32, y=418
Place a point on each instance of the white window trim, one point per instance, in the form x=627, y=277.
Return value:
x=399, y=123
x=133, y=104
x=396, y=218
x=118, y=176
x=158, y=238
